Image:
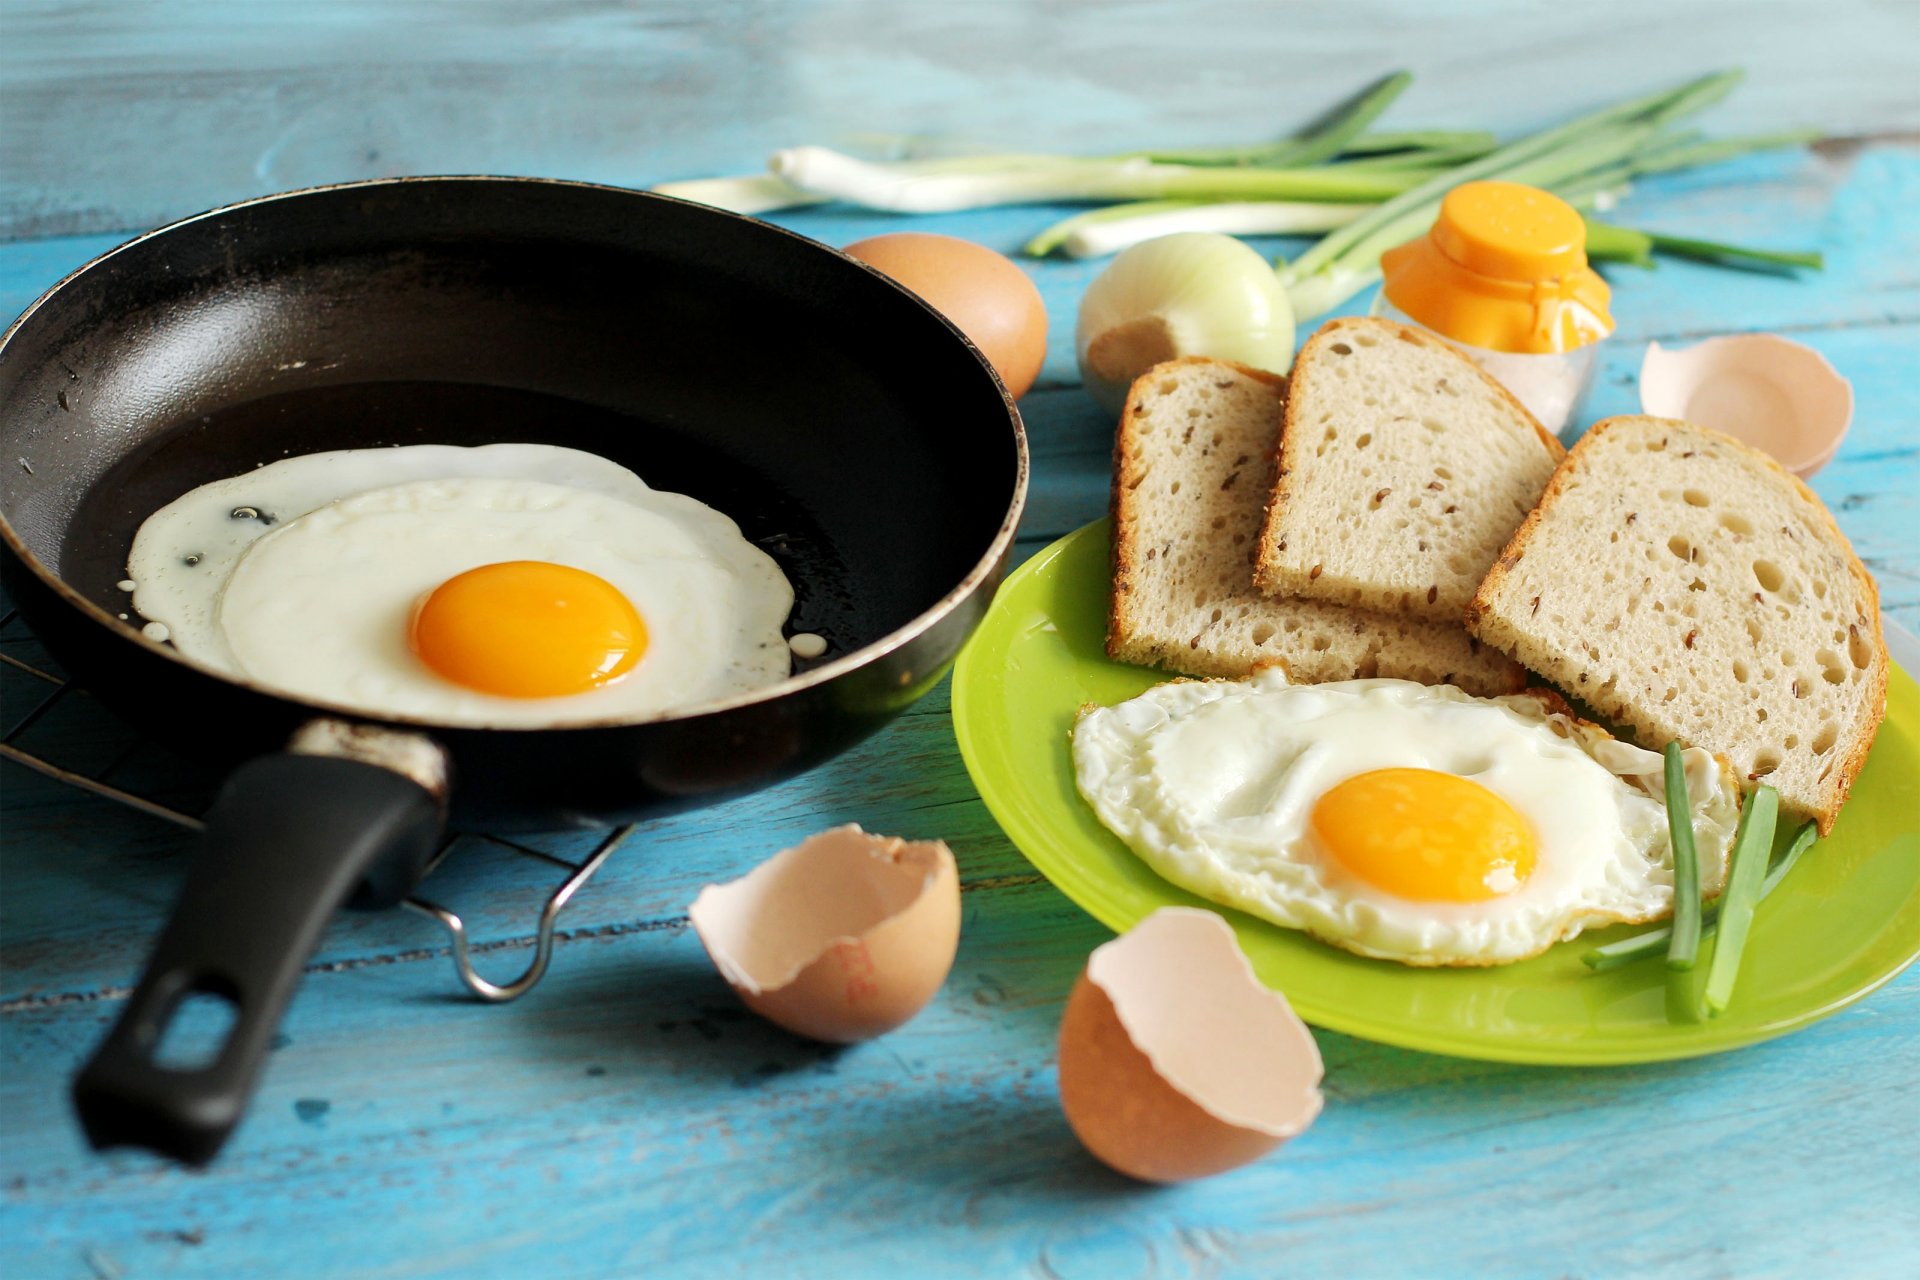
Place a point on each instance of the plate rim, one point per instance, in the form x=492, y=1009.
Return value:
x=1013, y=822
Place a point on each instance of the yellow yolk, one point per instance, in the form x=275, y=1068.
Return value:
x=528, y=629
x=1429, y=836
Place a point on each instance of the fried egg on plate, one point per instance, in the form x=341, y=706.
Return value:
x=1396, y=820
x=511, y=584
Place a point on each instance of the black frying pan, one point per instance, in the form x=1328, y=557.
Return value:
x=847, y=428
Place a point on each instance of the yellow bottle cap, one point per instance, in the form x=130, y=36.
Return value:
x=1504, y=268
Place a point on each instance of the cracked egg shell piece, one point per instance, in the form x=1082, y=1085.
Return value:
x=1175, y=1062
x=841, y=938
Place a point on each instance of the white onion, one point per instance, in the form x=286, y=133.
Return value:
x=1197, y=293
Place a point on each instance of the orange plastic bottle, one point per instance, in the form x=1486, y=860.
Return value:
x=1503, y=275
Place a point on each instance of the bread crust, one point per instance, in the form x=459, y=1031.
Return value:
x=1482, y=625
x=1120, y=500
x=1267, y=575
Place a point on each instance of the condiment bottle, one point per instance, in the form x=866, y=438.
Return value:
x=1503, y=275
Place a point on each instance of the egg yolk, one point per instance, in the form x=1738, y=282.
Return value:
x=1425, y=835
x=528, y=629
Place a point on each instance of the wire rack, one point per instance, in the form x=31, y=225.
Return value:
x=46, y=690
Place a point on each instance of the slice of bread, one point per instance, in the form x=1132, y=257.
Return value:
x=1685, y=586
x=1192, y=464
x=1404, y=471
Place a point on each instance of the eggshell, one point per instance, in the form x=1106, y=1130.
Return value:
x=1775, y=394
x=1175, y=1062
x=840, y=938
x=989, y=298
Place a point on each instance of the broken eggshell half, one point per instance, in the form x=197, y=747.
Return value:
x=840, y=938
x=1175, y=1062
x=1780, y=396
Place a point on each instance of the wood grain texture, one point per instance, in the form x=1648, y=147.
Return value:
x=124, y=114
x=628, y=1117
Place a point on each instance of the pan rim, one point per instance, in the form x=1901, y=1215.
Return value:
x=984, y=567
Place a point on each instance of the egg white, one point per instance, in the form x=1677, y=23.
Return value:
x=1212, y=784
x=317, y=602
x=184, y=553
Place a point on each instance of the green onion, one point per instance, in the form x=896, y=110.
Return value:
x=1691, y=152
x=753, y=193
x=1320, y=280
x=1596, y=141
x=1362, y=192
x=1608, y=243
x=1099, y=232
x=1322, y=140
x=1653, y=942
x=1329, y=138
x=1744, y=882
x=1685, y=943
x=1429, y=193
x=920, y=187
x=1422, y=140
x=1436, y=159
x=1733, y=255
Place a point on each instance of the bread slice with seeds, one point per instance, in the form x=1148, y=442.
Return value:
x=1404, y=471
x=1687, y=587
x=1192, y=464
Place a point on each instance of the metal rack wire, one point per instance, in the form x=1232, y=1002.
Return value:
x=53, y=689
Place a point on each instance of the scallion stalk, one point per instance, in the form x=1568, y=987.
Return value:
x=1734, y=255
x=752, y=193
x=1644, y=946
x=1099, y=232
x=1685, y=943
x=1321, y=140
x=1608, y=243
x=1600, y=139
x=1422, y=140
x=915, y=187
x=1437, y=159
x=1744, y=880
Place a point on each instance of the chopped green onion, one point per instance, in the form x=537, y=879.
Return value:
x=1654, y=941
x=1744, y=880
x=1685, y=943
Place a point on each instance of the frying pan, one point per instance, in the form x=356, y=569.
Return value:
x=850, y=431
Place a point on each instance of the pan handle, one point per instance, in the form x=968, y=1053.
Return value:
x=289, y=840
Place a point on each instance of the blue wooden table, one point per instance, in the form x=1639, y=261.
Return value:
x=628, y=1118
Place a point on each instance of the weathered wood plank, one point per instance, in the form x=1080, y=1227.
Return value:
x=122, y=114
x=628, y=1117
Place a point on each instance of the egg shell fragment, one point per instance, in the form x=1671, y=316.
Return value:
x=1780, y=396
x=841, y=938
x=1175, y=1061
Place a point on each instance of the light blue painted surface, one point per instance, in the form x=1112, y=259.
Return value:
x=628, y=1118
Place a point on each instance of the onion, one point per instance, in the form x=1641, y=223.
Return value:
x=1197, y=293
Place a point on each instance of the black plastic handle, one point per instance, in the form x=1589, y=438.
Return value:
x=289, y=840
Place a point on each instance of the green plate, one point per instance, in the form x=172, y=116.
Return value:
x=1843, y=923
